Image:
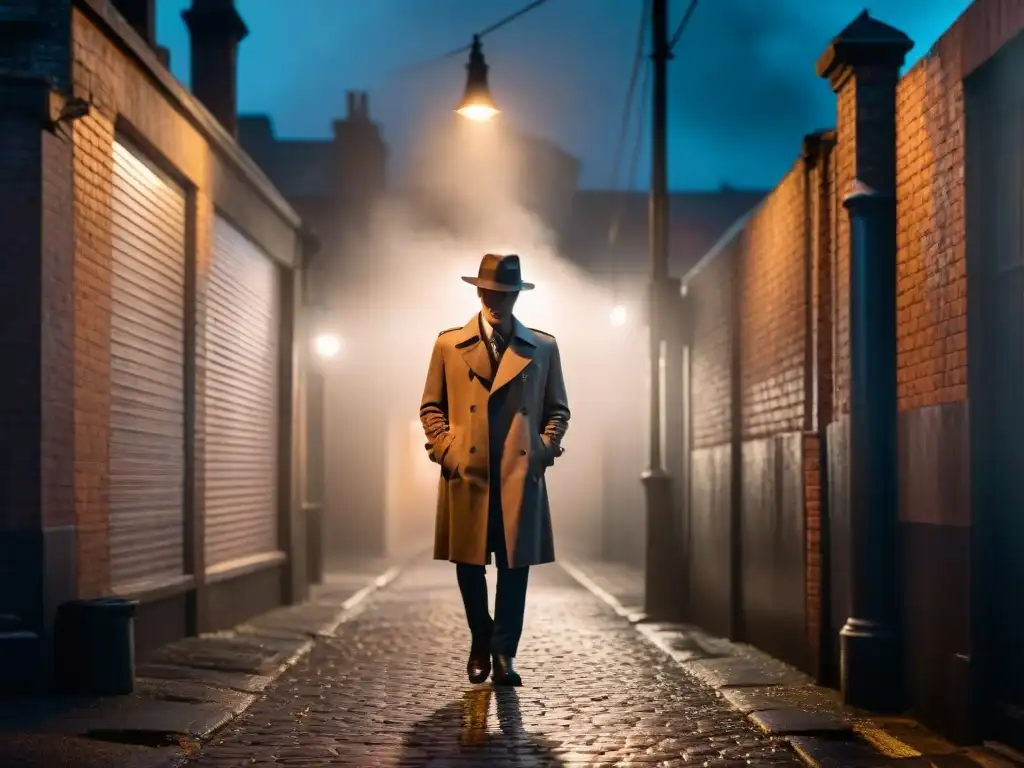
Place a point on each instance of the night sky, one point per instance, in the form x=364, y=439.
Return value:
x=742, y=86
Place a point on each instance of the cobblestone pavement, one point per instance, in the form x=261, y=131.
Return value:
x=389, y=689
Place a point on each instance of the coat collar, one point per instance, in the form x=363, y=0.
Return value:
x=470, y=343
x=470, y=332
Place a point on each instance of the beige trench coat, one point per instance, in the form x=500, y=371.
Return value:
x=522, y=415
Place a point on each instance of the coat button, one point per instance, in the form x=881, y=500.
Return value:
x=472, y=409
x=522, y=452
x=472, y=449
x=523, y=410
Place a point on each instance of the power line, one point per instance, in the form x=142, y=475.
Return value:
x=627, y=110
x=510, y=18
x=634, y=163
x=641, y=128
x=486, y=31
x=627, y=115
x=682, y=25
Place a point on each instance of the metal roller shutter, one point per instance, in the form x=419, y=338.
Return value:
x=147, y=378
x=241, y=399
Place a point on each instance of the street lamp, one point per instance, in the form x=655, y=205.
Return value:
x=327, y=345
x=477, y=103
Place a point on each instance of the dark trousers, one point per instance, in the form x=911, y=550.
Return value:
x=500, y=634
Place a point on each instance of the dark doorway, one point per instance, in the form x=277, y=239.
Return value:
x=994, y=157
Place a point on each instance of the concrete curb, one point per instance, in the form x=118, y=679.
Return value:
x=608, y=599
x=347, y=607
x=788, y=704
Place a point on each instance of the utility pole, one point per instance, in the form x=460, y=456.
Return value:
x=661, y=591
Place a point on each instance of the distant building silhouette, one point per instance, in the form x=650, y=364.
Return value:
x=332, y=182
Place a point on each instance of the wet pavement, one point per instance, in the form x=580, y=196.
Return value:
x=389, y=689
x=186, y=690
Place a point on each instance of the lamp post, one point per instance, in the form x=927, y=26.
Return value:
x=662, y=567
x=325, y=345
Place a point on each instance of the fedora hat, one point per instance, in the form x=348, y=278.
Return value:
x=499, y=273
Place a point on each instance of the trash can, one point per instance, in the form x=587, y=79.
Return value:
x=94, y=646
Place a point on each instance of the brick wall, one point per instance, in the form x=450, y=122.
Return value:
x=823, y=292
x=58, y=340
x=771, y=278
x=28, y=61
x=932, y=307
x=20, y=208
x=93, y=181
x=36, y=416
x=777, y=354
x=37, y=40
x=812, y=530
x=936, y=518
x=768, y=269
x=843, y=158
x=21, y=195
x=710, y=294
x=773, y=297
x=822, y=222
x=128, y=91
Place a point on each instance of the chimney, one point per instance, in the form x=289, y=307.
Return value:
x=141, y=16
x=358, y=107
x=216, y=29
x=360, y=155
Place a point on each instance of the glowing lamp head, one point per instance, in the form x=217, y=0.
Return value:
x=477, y=102
x=618, y=316
x=480, y=113
x=327, y=345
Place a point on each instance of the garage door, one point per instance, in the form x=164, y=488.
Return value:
x=147, y=378
x=241, y=400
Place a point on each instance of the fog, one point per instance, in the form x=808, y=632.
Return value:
x=462, y=201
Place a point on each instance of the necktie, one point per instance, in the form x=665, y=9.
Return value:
x=497, y=345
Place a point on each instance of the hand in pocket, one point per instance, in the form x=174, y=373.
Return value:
x=450, y=462
x=539, y=457
x=547, y=452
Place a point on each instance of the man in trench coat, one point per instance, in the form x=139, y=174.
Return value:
x=494, y=412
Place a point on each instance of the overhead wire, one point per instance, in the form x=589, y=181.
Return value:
x=681, y=27
x=627, y=119
x=482, y=33
x=616, y=222
x=638, y=143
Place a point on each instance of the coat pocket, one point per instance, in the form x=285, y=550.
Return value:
x=537, y=459
x=450, y=464
x=544, y=452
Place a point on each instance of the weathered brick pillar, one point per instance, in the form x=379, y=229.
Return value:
x=863, y=65
x=37, y=515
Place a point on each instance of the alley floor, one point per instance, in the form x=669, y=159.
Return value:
x=389, y=689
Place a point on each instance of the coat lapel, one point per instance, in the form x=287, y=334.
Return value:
x=474, y=350
x=517, y=356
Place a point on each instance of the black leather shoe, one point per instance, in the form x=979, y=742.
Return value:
x=505, y=671
x=479, y=666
